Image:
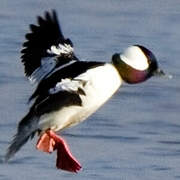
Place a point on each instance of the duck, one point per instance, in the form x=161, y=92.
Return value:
x=69, y=90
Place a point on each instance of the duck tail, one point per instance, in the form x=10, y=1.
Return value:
x=26, y=129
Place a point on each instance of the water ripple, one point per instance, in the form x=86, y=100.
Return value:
x=127, y=139
x=160, y=168
x=169, y=142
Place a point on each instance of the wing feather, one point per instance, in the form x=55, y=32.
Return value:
x=44, y=44
x=57, y=101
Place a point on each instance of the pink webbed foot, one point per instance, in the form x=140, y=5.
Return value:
x=49, y=142
x=46, y=143
x=65, y=159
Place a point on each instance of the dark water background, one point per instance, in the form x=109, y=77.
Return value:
x=136, y=135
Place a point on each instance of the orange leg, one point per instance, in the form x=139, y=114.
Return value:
x=50, y=142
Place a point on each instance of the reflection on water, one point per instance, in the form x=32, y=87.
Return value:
x=136, y=135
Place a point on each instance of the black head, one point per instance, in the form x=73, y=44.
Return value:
x=136, y=64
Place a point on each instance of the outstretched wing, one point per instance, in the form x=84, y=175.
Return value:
x=46, y=48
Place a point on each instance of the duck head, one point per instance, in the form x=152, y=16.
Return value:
x=136, y=64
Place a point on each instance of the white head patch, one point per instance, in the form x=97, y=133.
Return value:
x=60, y=49
x=135, y=57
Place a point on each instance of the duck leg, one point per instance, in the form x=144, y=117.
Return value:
x=50, y=142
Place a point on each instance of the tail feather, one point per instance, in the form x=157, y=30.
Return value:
x=26, y=129
x=15, y=145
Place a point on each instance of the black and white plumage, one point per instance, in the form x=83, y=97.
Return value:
x=70, y=90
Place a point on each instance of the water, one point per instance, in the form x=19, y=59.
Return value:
x=136, y=135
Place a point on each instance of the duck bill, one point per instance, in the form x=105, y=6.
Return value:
x=161, y=73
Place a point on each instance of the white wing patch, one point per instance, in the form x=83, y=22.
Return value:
x=60, y=49
x=68, y=85
x=47, y=64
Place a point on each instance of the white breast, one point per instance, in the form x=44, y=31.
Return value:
x=102, y=83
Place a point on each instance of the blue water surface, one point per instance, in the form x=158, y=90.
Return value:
x=136, y=135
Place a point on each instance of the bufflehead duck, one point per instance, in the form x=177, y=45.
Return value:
x=69, y=90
